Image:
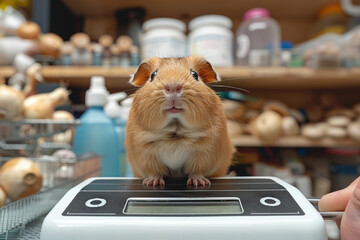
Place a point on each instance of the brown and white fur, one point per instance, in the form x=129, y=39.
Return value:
x=177, y=126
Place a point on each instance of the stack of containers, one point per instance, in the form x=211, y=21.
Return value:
x=257, y=42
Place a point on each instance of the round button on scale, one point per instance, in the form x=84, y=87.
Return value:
x=95, y=202
x=270, y=201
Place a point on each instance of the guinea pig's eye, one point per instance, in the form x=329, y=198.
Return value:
x=153, y=75
x=194, y=74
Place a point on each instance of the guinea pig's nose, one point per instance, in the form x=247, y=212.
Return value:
x=173, y=89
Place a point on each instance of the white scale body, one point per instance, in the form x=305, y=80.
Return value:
x=243, y=208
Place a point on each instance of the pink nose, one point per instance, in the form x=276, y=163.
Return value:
x=173, y=89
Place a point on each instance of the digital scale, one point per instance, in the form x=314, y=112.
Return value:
x=246, y=208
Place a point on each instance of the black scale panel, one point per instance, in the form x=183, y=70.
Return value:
x=259, y=197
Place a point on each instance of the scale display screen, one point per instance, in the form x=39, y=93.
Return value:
x=183, y=206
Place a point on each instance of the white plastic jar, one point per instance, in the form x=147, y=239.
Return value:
x=211, y=37
x=163, y=37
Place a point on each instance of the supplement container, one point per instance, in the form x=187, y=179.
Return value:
x=163, y=37
x=258, y=39
x=211, y=37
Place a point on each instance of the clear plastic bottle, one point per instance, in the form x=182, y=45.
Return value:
x=96, y=132
x=258, y=39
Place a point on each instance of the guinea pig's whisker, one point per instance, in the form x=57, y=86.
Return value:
x=214, y=87
x=150, y=101
x=149, y=112
x=209, y=72
x=238, y=78
x=195, y=113
x=130, y=89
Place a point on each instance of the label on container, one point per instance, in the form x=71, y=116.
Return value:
x=218, y=50
x=243, y=46
x=163, y=47
x=259, y=57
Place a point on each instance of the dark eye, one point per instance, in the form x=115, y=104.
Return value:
x=153, y=75
x=194, y=74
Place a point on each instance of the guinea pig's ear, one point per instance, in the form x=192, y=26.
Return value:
x=204, y=69
x=144, y=71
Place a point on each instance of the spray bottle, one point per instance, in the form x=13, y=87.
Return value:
x=118, y=114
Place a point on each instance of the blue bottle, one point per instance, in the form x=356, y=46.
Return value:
x=96, y=131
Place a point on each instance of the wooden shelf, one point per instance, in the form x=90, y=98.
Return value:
x=293, y=141
x=243, y=77
x=306, y=9
x=79, y=76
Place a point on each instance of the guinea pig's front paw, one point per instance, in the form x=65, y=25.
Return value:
x=198, y=180
x=154, y=181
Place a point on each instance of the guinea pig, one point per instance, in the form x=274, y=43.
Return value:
x=176, y=126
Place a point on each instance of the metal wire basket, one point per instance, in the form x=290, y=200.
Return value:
x=34, y=137
x=15, y=215
x=32, y=129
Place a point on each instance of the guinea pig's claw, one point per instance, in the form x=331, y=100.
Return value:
x=154, y=181
x=198, y=180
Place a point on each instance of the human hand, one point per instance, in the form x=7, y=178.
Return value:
x=347, y=199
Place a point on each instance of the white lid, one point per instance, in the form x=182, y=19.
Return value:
x=112, y=108
x=97, y=94
x=211, y=20
x=117, y=96
x=127, y=102
x=164, y=22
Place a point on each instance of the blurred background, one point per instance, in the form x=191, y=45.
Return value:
x=290, y=84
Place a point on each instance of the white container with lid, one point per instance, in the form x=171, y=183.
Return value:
x=163, y=37
x=211, y=37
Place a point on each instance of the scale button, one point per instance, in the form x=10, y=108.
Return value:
x=95, y=202
x=270, y=201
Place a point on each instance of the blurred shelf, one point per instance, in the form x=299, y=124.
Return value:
x=244, y=77
x=293, y=141
x=306, y=9
x=79, y=76
x=6, y=71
